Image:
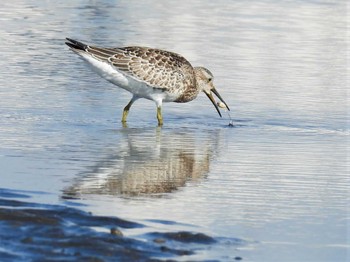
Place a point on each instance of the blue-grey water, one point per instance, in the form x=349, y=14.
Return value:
x=278, y=180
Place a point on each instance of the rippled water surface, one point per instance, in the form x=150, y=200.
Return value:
x=277, y=181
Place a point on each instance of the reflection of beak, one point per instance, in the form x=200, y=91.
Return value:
x=211, y=97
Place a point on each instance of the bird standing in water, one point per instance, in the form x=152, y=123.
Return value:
x=154, y=74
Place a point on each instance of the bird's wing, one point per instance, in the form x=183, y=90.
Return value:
x=158, y=68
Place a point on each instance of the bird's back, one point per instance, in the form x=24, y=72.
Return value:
x=159, y=69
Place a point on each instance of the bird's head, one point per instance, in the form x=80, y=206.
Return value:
x=205, y=80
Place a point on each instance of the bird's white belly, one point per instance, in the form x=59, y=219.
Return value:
x=138, y=88
x=106, y=71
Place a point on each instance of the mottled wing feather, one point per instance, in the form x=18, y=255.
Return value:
x=159, y=69
x=101, y=53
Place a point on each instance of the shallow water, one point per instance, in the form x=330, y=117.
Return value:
x=278, y=180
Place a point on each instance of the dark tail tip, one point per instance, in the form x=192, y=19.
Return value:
x=76, y=44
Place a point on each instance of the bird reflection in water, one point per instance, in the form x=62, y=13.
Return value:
x=148, y=163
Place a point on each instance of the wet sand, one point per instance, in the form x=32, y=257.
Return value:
x=40, y=232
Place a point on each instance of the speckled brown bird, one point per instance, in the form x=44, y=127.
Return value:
x=154, y=74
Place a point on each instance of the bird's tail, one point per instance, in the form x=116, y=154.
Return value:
x=102, y=54
x=76, y=45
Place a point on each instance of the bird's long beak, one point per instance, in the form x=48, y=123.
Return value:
x=211, y=97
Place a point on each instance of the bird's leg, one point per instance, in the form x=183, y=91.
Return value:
x=159, y=116
x=126, y=109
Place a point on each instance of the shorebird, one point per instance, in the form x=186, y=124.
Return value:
x=154, y=74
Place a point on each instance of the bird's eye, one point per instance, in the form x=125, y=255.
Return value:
x=209, y=79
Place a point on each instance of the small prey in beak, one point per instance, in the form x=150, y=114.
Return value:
x=212, y=99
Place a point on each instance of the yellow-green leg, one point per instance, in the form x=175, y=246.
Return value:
x=127, y=108
x=159, y=116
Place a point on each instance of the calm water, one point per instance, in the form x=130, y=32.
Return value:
x=279, y=179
